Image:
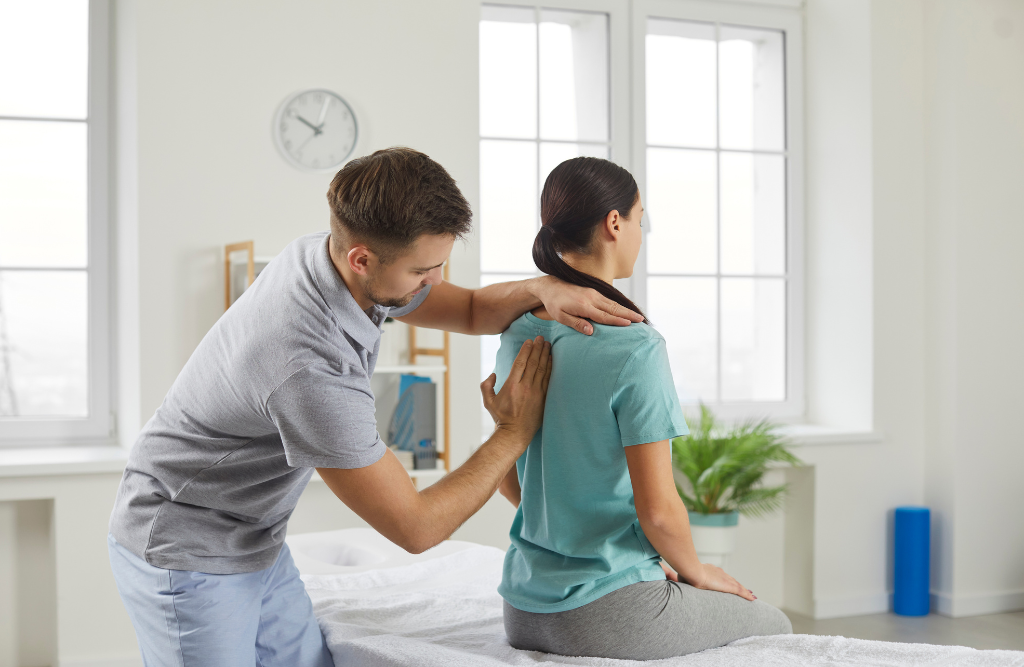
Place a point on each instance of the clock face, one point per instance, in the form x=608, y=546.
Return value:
x=315, y=130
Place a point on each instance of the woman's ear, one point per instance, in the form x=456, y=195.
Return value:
x=613, y=224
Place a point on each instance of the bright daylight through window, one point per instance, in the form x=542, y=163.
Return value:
x=716, y=200
x=44, y=267
x=543, y=99
x=716, y=281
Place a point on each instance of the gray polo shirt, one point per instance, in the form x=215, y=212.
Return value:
x=279, y=385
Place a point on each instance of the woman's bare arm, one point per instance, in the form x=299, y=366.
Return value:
x=665, y=521
x=509, y=487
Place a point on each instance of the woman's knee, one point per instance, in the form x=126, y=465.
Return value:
x=774, y=621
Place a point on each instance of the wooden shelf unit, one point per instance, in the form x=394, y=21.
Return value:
x=445, y=353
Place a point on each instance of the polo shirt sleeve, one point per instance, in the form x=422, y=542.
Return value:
x=325, y=416
x=412, y=305
x=644, y=398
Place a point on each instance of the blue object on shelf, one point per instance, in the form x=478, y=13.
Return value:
x=912, y=558
x=404, y=380
x=415, y=416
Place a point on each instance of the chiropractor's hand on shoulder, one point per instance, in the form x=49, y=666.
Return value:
x=519, y=407
x=573, y=305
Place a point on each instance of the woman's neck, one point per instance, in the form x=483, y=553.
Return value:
x=599, y=265
x=596, y=265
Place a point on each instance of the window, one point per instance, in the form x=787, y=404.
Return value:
x=544, y=98
x=716, y=185
x=53, y=281
x=713, y=123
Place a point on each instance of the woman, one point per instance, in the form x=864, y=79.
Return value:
x=598, y=514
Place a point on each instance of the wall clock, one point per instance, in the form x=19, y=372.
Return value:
x=315, y=130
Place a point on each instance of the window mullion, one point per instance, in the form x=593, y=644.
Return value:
x=718, y=223
x=536, y=200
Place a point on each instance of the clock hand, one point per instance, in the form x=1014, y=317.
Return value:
x=316, y=130
x=303, y=144
x=323, y=112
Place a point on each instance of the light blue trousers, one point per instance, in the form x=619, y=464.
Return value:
x=192, y=619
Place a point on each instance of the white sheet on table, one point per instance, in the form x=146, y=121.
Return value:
x=446, y=611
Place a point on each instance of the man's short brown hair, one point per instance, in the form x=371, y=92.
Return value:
x=390, y=198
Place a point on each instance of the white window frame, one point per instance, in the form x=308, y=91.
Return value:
x=98, y=426
x=618, y=75
x=627, y=72
x=787, y=18
x=619, y=108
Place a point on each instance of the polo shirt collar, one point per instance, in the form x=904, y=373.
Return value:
x=364, y=328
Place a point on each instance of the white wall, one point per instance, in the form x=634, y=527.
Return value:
x=975, y=167
x=923, y=99
x=209, y=76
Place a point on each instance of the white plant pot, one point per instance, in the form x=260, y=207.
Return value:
x=714, y=536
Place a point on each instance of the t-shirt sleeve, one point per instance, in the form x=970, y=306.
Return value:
x=326, y=418
x=644, y=398
x=412, y=305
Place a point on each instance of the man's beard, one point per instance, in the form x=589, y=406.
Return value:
x=370, y=288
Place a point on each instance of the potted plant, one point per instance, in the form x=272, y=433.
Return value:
x=724, y=467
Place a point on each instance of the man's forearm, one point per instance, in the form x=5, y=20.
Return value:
x=447, y=504
x=494, y=307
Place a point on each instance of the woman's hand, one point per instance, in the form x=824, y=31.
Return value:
x=573, y=305
x=716, y=579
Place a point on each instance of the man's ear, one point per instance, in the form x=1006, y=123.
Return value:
x=360, y=258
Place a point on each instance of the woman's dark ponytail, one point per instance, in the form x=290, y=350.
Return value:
x=578, y=195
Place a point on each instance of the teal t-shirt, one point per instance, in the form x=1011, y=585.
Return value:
x=576, y=535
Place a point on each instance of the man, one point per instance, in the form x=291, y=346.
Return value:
x=280, y=386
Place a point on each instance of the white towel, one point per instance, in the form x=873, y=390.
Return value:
x=446, y=611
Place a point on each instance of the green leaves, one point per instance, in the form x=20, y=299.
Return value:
x=725, y=467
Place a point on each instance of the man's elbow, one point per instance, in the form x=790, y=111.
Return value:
x=417, y=540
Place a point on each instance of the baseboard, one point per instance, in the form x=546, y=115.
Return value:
x=977, y=605
x=130, y=661
x=855, y=606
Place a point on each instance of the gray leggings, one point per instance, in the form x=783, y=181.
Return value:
x=645, y=621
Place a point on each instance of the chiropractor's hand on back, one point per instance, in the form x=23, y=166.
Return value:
x=383, y=495
x=519, y=406
x=573, y=305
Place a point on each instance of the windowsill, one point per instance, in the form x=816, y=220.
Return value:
x=32, y=462
x=815, y=434
x=38, y=461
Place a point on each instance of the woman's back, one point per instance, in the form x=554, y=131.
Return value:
x=576, y=535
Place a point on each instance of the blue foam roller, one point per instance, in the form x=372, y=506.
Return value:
x=912, y=561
